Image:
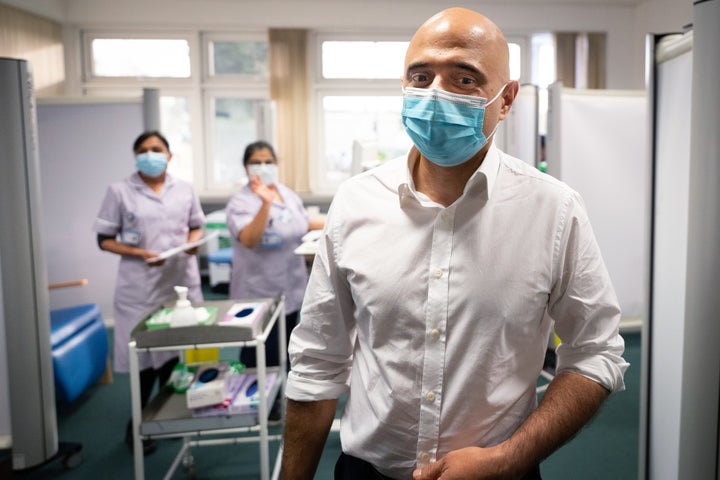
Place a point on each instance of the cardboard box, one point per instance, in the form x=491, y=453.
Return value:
x=209, y=386
x=245, y=314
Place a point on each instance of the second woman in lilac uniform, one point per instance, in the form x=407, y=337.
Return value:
x=267, y=221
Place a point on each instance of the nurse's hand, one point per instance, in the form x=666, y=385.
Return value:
x=267, y=193
x=148, y=256
x=192, y=251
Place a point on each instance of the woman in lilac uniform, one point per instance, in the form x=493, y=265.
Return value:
x=140, y=217
x=266, y=221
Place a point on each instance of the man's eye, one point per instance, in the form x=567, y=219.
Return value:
x=419, y=78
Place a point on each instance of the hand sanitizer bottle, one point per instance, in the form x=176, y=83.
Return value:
x=183, y=315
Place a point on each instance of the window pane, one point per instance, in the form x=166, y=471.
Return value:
x=237, y=122
x=515, y=61
x=372, y=124
x=239, y=58
x=122, y=57
x=175, y=121
x=354, y=59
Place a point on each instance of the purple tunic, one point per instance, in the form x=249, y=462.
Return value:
x=138, y=216
x=265, y=270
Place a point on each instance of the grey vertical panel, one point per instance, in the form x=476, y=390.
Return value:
x=553, y=141
x=151, y=109
x=5, y=425
x=667, y=305
x=701, y=358
x=24, y=282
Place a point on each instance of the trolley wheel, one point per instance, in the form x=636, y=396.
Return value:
x=71, y=453
x=72, y=460
x=190, y=473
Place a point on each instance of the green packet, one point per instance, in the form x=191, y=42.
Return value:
x=161, y=319
x=183, y=375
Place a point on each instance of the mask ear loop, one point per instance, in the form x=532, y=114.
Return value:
x=497, y=95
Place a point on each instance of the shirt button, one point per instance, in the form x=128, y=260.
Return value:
x=435, y=333
x=430, y=396
x=438, y=272
x=425, y=456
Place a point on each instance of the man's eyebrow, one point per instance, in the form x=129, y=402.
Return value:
x=459, y=65
x=416, y=65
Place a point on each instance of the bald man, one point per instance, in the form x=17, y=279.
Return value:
x=432, y=296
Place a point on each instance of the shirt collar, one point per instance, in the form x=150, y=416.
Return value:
x=138, y=182
x=487, y=172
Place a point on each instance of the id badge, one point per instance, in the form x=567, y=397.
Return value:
x=130, y=237
x=271, y=240
x=285, y=216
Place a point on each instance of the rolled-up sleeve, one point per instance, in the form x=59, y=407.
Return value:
x=239, y=213
x=583, y=303
x=108, y=220
x=321, y=346
x=197, y=217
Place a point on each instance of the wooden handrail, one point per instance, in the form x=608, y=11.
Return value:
x=71, y=283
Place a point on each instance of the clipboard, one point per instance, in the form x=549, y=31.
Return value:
x=181, y=248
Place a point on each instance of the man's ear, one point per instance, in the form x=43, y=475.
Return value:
x=508, y=97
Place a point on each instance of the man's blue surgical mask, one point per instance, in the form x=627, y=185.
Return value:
x=151, y=164
x=446, y=127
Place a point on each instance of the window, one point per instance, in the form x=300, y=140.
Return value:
x=543, y=73
x=237, y=56
x=361, y=59
x=371, y=123
x=138, y=57
x=175, y=121
x=234, y=123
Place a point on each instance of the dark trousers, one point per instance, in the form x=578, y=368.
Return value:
x=352, y=468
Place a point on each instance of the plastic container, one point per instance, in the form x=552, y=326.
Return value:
x=183, y=315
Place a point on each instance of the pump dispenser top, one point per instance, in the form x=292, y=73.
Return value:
x=183, y=314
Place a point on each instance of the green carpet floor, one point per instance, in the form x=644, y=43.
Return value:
x=605, y=450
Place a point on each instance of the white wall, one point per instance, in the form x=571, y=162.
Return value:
x=84, y=146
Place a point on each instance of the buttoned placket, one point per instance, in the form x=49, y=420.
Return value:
x=435, y=329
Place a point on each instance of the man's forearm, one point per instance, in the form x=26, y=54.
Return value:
x=306, y=429
x=570, y=402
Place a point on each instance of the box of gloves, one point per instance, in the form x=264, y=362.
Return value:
x=214, y=383
x=245, y=396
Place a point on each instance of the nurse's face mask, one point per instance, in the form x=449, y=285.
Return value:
x=268, y=172
x=446, y=127
x=151, y=164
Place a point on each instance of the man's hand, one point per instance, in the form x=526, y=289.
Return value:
x=568, y=404
x=465, y=464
